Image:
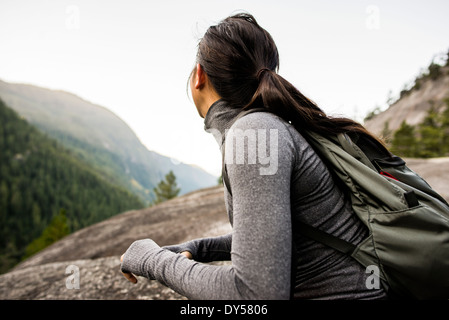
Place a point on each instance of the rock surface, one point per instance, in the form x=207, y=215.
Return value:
x=99, y=279
x=95, y=251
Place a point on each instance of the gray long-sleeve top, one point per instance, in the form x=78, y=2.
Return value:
x=276, y=179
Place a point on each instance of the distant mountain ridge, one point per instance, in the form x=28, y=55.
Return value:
x=101, y=138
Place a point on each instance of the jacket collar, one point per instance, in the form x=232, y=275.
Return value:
x=219, y=118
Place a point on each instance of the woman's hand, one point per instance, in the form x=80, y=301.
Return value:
x=187, y=254
x=129, y=276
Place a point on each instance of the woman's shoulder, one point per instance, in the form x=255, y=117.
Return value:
x=259, y=120
x=267, y=121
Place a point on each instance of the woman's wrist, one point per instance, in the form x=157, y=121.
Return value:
x=136, y=255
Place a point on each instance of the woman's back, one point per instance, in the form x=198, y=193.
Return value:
x=320, y=271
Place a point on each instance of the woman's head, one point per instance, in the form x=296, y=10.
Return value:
x=232, y=53
x=241, y=61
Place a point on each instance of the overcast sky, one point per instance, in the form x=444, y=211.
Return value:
x=134, y=57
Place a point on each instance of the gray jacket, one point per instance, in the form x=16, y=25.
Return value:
x=276, y=179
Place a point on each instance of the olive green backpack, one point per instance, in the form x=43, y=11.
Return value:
x=408, y=221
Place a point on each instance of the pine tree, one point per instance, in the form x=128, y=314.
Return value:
x=430, y=136
x=404, y=141
x=386, y=133
x=434, y=71
x=445, y=128
x=166, y=189
x=56, y=229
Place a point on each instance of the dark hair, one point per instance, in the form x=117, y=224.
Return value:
x=241, y=60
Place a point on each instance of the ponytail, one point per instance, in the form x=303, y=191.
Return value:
x=280, y=97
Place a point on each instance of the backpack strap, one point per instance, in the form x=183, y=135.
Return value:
x=305, y=229
x=325, y=238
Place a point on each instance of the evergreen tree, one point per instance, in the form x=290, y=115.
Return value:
x=404, y=141
x=445, y=129
x=434, y=71
x=57, y=229
x=430, y=138
x=386, y=133
x=447, y=58
x=166, y=189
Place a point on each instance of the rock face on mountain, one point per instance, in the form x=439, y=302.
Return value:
x=413, y=107
x=95, y=251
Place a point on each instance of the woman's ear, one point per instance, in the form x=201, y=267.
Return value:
x=203, y=93
x=200, y=77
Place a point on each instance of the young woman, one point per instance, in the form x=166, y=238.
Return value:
x=276, y=179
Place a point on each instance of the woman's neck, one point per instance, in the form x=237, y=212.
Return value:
x=220, y=116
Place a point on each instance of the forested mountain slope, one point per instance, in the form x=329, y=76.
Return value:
x=38, y=179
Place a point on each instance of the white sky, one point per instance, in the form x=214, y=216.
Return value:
x=134, y=57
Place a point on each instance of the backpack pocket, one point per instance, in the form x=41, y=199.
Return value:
x=412, y=246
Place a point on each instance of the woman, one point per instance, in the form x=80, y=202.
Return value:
x=276, y=179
